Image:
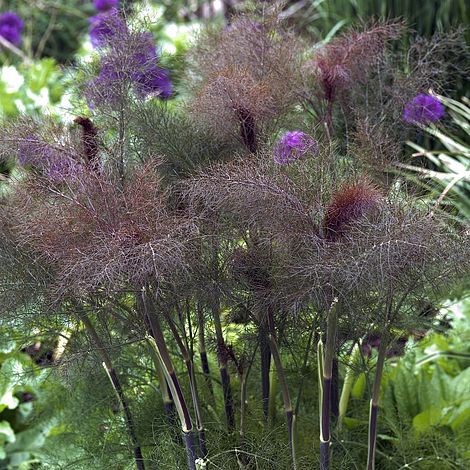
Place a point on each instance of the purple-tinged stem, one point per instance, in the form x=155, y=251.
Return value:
x=202, y=350
x=334, y=398
x=168, y=403
x=189, y=444
x=221, y=347
x=248, y=130
x=326, y=387
x=265, y=356
x=192, y=384
x=224, y=375
x=180, y=402
x=242, y=457
x=116, y=383
x=286, y=399
x=374, y=404
x=284, y=388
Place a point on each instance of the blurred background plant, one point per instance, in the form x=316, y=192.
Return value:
x=25, y=420
x=425, y=396
x=445, y=173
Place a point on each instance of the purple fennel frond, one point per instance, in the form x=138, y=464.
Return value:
x=348, y=205
x=52, y=161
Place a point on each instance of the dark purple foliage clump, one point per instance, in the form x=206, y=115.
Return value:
x=349, y=204
x=11, y=27
x=104, y=5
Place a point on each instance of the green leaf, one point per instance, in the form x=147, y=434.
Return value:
x=405, y=389
x=6, y=432
x=352, y=423
x=424, y=421
x=435, y=391
x=461, y=385
x=7, y=345
x=460, y=416
x=9, y=372
x=359, y=386
x=26, y=441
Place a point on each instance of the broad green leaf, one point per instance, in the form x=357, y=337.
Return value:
x=352, y=423
x=359, y=386
x=28, y=440
x=6, y=432
x=461, y=385
x=424, y=421
x=439, y=386
x=460, y=416
x=406, y=386
x=6, y=345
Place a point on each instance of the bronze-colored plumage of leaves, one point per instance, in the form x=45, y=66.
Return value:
x=344, y=62
x=348, y=205
x=244, y=76
x=96, y=235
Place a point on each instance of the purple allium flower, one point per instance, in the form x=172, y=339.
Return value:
x=155, y=82
x=11, y=27
x=293, y=145
x=423, y=109
x=104, y=5
x=146, y=51
x=105, y=26
x=103, y=89
x=131, y=62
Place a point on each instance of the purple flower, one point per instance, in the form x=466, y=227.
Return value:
x=293, y=145
x=104, y=89
x=11, y=27
x=104, y=5
x=105, y=26
x=145, y=49
x=155, y=81
x=423, y=109
x=149, y=78
x=130, y=64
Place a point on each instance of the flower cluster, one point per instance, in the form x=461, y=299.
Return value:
x=423, y=109
x=105, y=5
x=131, y=62
x=105, y=26
x=292, y=146
x=11, y=27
